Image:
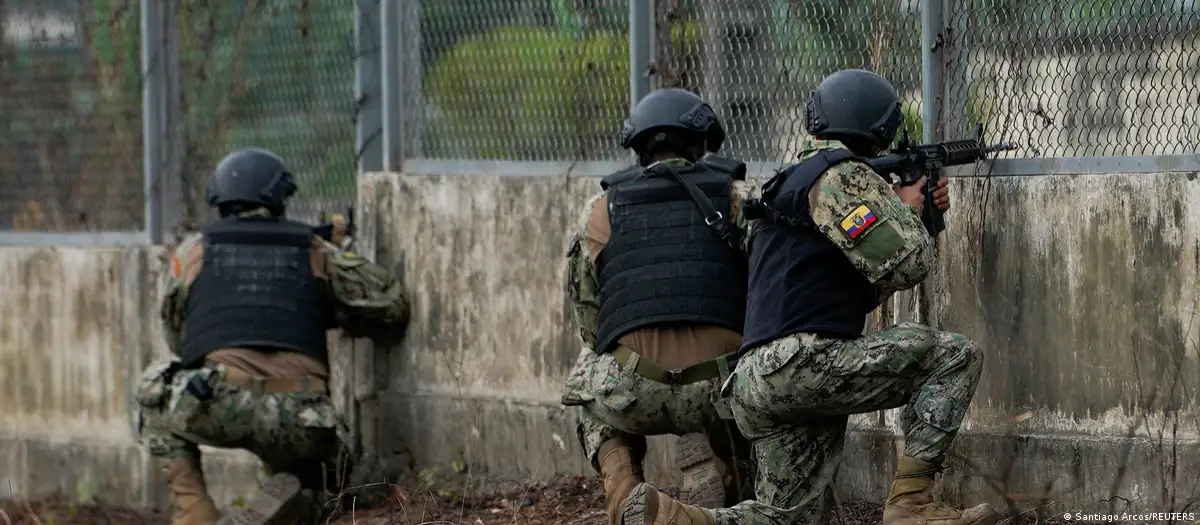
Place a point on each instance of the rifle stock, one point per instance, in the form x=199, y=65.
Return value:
x=910, y=162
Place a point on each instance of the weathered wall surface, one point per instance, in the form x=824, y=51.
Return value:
x=79, y=325
x=1081, y=290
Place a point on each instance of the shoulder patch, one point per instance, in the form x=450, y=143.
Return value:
x=858, y=222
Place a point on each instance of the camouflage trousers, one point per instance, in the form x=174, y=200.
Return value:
x=294, y=433
x=616, y=402
x=792, y=397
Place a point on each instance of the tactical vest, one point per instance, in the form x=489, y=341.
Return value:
x=665, y=263
x=800, y=282
x=256, y=290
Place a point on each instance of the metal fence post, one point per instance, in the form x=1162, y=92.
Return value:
x=153, y=123
x=171, y=194
x=641, y=48
x=160, y=118
x=367, y=86
x=392, y=62
x=932, y=87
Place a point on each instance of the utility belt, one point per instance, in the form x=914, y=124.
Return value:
x=697, y=373
x=201, y=387
x=275, y=385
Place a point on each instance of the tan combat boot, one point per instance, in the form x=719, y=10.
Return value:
x=622, y=470
x=193, y=506
x=647, y=506
x=704, y=475
x=911, y=501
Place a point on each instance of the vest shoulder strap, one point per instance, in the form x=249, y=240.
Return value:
x=781, y=194
x=720, y=163
x=621, y=176
x=259, y=232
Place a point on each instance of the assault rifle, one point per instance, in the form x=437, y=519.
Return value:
x=910, y=161
x=338, y=228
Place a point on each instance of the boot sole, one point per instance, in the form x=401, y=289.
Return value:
x=702, y=484
x=639, y=508
x=277, y=498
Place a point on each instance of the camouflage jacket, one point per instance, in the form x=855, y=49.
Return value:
x=368, y=300
x=581, y=282
x=895, y=252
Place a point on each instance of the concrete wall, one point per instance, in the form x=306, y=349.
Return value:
x=79, y=326
x=1081, y=289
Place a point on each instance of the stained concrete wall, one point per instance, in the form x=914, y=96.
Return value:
x=65, y=368
x=1081, y=290
x=79, y=325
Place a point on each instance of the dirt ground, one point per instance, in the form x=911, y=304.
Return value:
x=569, y=501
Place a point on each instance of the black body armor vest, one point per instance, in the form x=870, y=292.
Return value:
x=670, y=258
x=800, y=282
x=256, y=290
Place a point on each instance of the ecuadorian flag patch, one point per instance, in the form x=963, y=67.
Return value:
x=858, y=221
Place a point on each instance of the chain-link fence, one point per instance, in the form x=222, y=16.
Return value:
x=524, y=79
x=543, y=80
x=756, y=61
x=546, y=80
x=277, y=75
x=272, y=74
x=1079, y=78
x=70, y=116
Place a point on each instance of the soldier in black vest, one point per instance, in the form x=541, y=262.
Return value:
x=247, y=306
x=657, y=275
x=833, y=243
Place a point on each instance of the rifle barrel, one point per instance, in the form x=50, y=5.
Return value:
x=1004, y=146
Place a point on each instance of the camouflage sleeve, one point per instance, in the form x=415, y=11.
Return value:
x=581, y=280
x=368, y=300
x=743, y=191
x=173, y=304
x=882, y=236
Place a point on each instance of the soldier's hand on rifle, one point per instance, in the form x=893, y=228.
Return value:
x=941, y=194
x=913, y=194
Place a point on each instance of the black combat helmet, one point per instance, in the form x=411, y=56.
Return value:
x=854, y=105
x=672, y=108
x=250, y=178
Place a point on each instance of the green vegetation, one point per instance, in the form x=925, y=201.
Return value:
x=526, y=86
x=277, y=75
x=528, y=91
x=520, y=91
